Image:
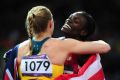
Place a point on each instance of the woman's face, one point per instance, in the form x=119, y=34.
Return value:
x=73, y=25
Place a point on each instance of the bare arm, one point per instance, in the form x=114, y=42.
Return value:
x=89, y=47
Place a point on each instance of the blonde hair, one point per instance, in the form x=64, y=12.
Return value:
x=37, y=21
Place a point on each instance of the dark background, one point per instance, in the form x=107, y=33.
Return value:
x=105, y=12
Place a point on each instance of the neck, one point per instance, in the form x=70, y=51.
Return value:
x=41, y=36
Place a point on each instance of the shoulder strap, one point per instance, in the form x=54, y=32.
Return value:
x=37, y=45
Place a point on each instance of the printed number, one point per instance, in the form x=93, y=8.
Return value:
x=26, y=65
x=33, y=67
x=46, y=64
x=39, y=62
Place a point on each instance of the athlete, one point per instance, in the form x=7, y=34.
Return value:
x=81, y=26
x=42, y=57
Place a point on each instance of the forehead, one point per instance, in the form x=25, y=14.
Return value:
x=75, y=16
x=78, y=20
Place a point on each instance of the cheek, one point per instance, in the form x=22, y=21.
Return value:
x=75, y=25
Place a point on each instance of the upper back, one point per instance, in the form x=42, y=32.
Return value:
x=47, y=48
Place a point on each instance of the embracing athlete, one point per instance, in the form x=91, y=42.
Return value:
x=42, y=57
x=80, y=26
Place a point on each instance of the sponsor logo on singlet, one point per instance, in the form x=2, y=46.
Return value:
x=36, y=66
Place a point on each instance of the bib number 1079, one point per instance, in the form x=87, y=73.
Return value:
x=36, y=66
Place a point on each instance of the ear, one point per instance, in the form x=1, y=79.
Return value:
x=50, y=23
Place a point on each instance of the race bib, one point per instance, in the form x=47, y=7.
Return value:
x=36, y=66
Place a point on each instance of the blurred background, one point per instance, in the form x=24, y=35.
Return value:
x=105, y=12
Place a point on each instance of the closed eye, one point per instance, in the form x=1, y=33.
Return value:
x=68, y=20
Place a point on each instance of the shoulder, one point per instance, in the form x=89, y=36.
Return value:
x=54, y=43
x=61, y=42
x=56, y=40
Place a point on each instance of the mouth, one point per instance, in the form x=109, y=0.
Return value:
x=66, y=27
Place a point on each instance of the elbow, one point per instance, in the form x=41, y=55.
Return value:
x=107, y=48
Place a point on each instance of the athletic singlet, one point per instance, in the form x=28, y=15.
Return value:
x=38, y=67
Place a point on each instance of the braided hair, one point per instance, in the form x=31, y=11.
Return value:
x=36, y=21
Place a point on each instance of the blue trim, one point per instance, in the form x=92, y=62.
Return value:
x=37, y=45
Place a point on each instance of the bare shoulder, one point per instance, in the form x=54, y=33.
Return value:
x=61, y=43
x=53, y=42
x=56, y=41
x=55, y=50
